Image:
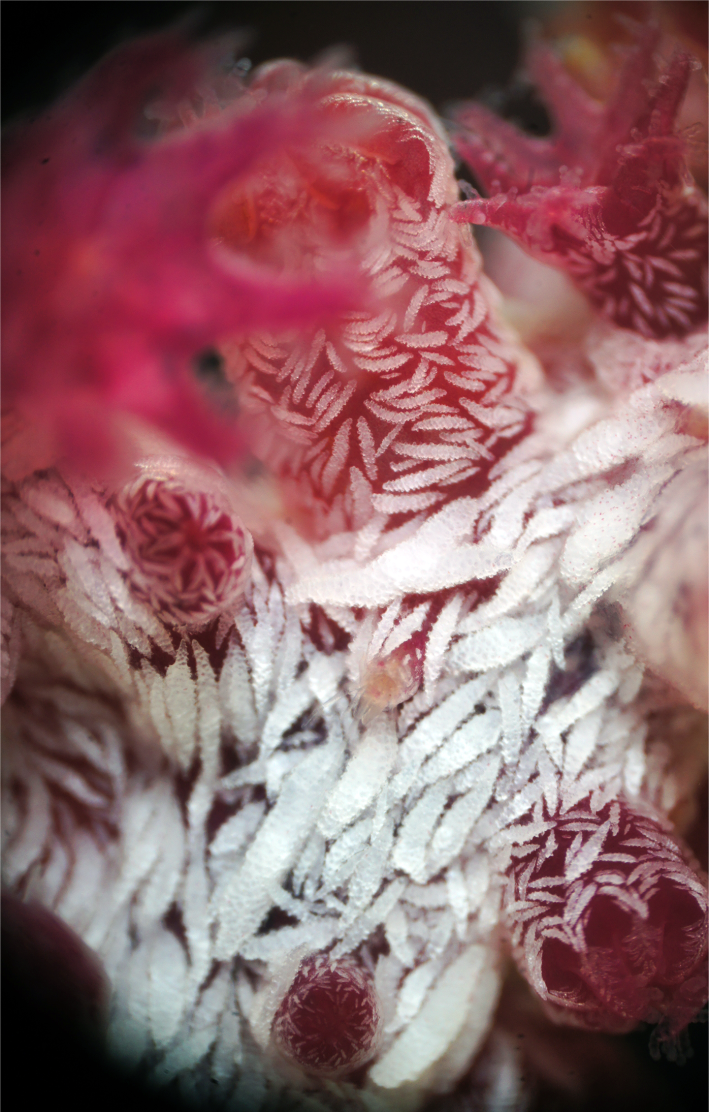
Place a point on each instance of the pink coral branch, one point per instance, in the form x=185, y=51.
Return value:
x=608, y=198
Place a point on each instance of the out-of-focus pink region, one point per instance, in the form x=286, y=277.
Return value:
x=111, y=281
x=608, y=921
x=608, y=197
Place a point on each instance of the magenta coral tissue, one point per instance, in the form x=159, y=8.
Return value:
x=354, y=642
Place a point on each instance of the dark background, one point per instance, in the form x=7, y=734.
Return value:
x=445, y=52
x=441, y=50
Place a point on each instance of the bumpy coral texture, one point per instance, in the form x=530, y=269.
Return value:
x=392, y=411
x=412, y=738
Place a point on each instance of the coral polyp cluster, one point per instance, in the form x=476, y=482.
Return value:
x=411, y=688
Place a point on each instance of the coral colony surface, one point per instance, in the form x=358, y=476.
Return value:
x=354, y=650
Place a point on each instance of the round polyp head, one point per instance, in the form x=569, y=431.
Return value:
x=189, y=553
x=328, y=1019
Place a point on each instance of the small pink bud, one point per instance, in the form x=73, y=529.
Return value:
x=328, y=1019
x=189, y=552
x=388, y=681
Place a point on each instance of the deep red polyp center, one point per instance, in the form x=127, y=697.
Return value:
x=328, y=1018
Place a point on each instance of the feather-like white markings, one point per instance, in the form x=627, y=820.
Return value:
x=72, y=783
x=405, y=628
x=555, y=630
x=307, y=872
x=159, y=889
x=409, y=853
x=458, y=821
x=433, y=729
x=342, y=857
x=181, y=706
x=195, y=900
x=403, y=503
x=581, y=742
x=471, y=740
x=245, y=900
x=51, y=499
x=581, y=855
x=323, y=677
x=338, y=457
x=84, y=581
x=284, y=714
x=564, y=713
x=129, y=1031
x=535, y=683
x=634, y=766
x=458, y=897
x=371, y=867
x=159, y=713
x=423, y=340
x=437, y=1024
x=290, y=654
x=510, y=706
x=413, y=992
x=365, y=774
x=437, y=643
x=518, y=585
x=167, y=969
x=366, y=447
x=383, y=628
x=610, y=522
x=498, y=645
x=233, y=835
x=427, y=476
x=371, y=918
x=397, y=932
x=578, y=611
x=430, y=561
x=550, y=759
x=208, y=715
x=235, y=695
x=89, y=875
